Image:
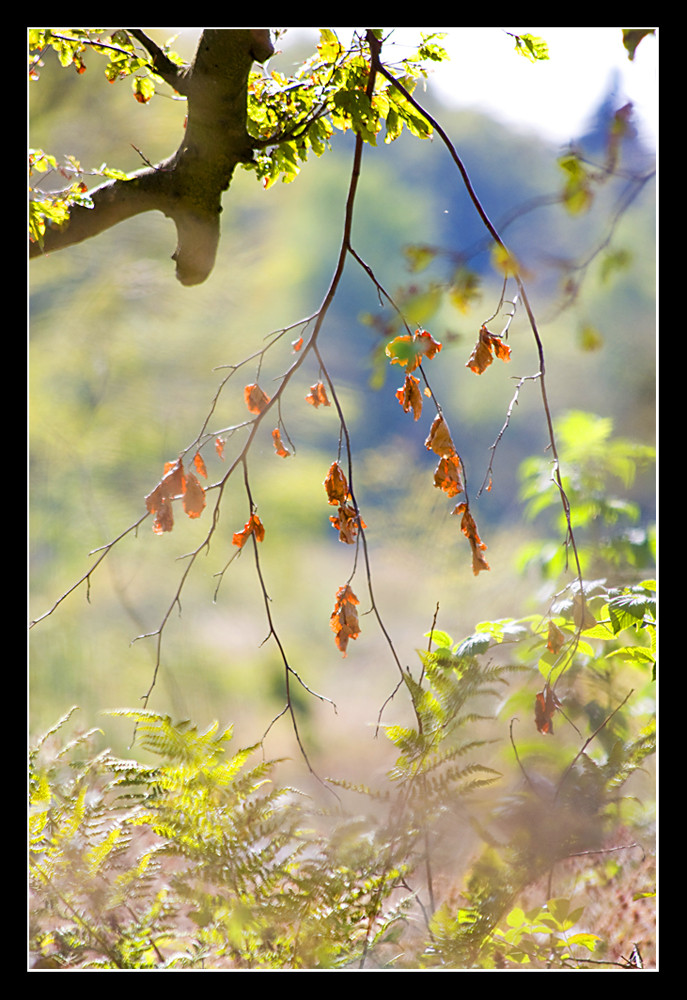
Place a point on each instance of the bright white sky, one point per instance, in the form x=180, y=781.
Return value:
x=554, y=98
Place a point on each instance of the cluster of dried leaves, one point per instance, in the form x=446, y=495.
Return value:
x=344, y=618
x=410, y=352
x=176, y=483
x=407, y=351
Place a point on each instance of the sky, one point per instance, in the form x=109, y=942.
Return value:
x=554, y=98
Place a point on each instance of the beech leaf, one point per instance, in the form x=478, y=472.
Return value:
x=278, y=444
x=439, y=438
x=447, y=475
x=347, y=523
x=344, y=618
x=469, y=529
x=194, y=496
x=411, y=351
x=159, y=501
x=487, y=345
x=253, y=526
x=409, y=396
x=545, y=704
x=336, y=485
x=256, y=399
x=318, y=396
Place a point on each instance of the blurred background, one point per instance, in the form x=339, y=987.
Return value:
x=124, y=365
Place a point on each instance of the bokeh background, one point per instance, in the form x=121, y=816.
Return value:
x=124, y=364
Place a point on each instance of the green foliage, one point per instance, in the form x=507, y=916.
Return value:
x=328, y=94
x=193, y=861
x=124, y=58
x=532, y=47
x=607, y=525
x=201, y=860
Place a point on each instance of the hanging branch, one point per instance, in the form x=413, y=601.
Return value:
x=508, y=258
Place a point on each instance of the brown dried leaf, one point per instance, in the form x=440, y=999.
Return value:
x=482, y=357
x=409, y=396
x=347, y=524
x=256, y=399
x=545, y=704
x=469, y=529
x=336, y=485
x=555, y=639
x=344, y=618
x=194, y=497
x=159, y=500
x=439, y=439
x=279, y=447
x=447, y=476
x=318, y=396
x=253, y=526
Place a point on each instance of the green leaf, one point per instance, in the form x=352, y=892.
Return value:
x=531, y=47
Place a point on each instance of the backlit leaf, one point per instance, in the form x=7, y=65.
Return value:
x=336, y=485
x=411, y=351
x=447, y=476
x=439, y=438
x=469, y=529
x=256, y=399
x=194, y=497
x=278, y=445
x=318, y=396
x=555, y=639
x=253, y=526
x=487, y=345
x=344, y=618
x=409, y=396
x=545, y=704
x=347, y=523
x=159, y=501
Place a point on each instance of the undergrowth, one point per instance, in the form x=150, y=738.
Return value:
x=203, y=860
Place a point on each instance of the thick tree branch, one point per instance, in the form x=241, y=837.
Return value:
x=187, y=187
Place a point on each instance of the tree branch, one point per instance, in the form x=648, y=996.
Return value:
x=187, y=187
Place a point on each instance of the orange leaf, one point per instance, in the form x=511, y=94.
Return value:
x=469, y=529
x=158, y=502
x=447, y=476
x=194, y=497
x=256, y=400
x=347, y=524
x=253, y=526
x=555, y=639
x=481, y=357
x=336, y=485
x=439, y=438
x=344, y=618
x=297, y=344
x=200, y=465
x=164, y=518
x=411, y=351
x=280, y=449
x=409, y=396
x=318, y=396
x=545, y=704
x=219, y=446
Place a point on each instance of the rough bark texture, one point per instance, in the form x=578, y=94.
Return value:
x=187, y=187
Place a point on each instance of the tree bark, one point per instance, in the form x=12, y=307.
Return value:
x=187, y=186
